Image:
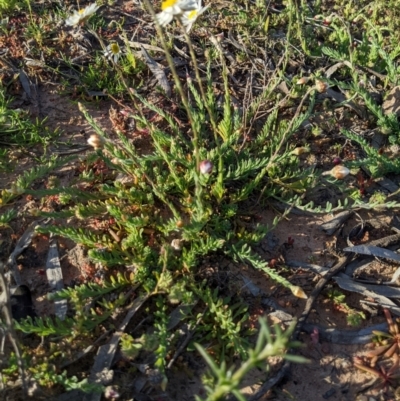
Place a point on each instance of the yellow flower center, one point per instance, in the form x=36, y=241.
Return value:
x=114, y=48
x=168, y=3
x=81, y=11
x=192, y=14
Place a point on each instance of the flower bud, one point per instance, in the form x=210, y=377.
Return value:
x=111, y=392
x=302, y=81
x=81, y=107
x=327, y=21
x=15, y=190
x=298, y=292
x=386, y=130
x=321, y=86
x=339, y=172
x=126, y=113
x=96, y=141
x=206, y=167
x=337, y=160
x=220, y=37
x=177, y=244
x=300, y=150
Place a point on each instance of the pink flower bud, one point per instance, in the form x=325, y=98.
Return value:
x=206, y=167
x=327, y=21
x=315, y=336
x=111, y=392
x=336, y=161
x=126, y=113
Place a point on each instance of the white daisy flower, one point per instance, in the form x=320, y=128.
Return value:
x=113, y=51
x=170, y=8
x=82, y=15
x=189, y=17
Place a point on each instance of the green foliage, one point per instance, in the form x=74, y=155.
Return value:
x=243, y=252
x=82, y=299
x=387, y=123
x=222, y=324
x=8, y=6
x=153, y=214
x=11, y=367
x=378, y=164
x=169, y=215
x=353, y=317
x=91, y=290
x=99, y=76
x=71, y=193
x=78, y=235
x=16, y=128
x=6, y=217
x=24, y=181
x=160, y=326
x=74, y=330
x=45, y=326
x=224, y=381
x=131, y=347
x=347, y=204
x=47, y=376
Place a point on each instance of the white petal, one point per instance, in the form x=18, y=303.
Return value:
x=188, y=27
x=164, y=17
x=73, y=19
x=187, y=5
x=190, y=17
x=201, y=11
x=174, y=10
x=92, y=8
